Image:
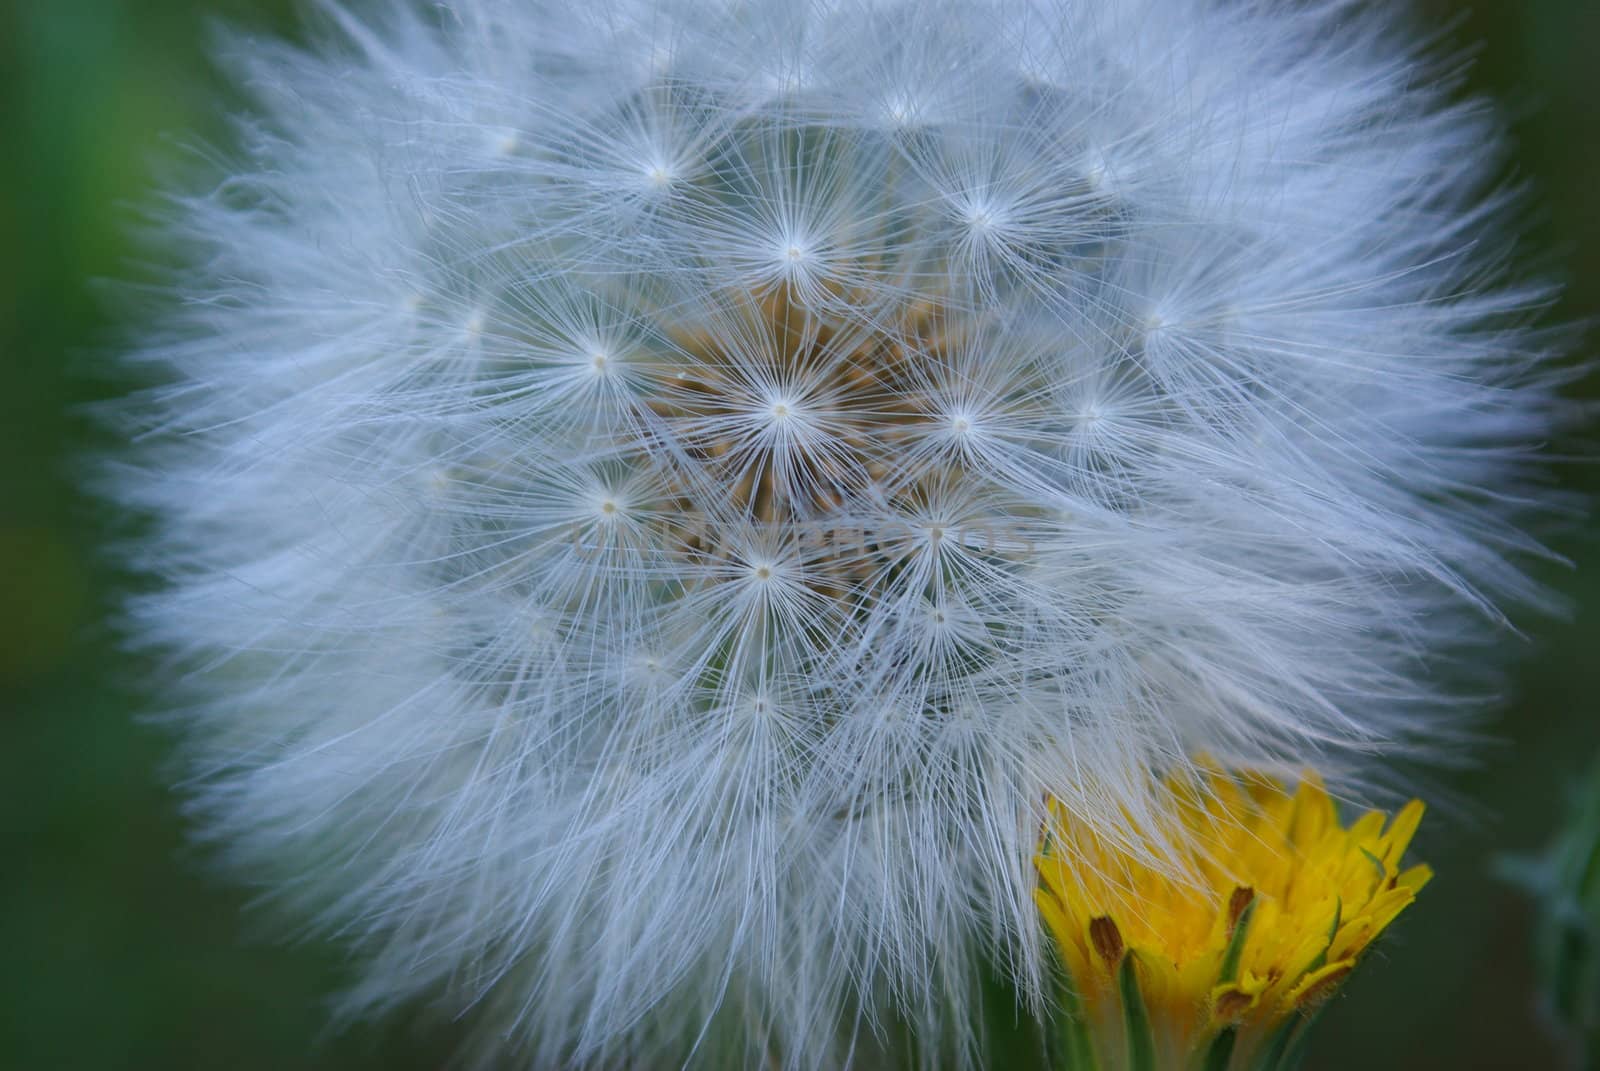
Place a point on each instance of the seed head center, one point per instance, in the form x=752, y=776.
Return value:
x=850, y=393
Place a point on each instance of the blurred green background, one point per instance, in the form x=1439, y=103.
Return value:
x=119, y=950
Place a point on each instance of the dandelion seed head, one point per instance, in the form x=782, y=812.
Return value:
x=652, y=497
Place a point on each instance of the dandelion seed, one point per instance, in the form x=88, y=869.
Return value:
x=999, y=399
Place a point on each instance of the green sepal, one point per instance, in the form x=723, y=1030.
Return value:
x=1287, y=1047
x=1383, y=871
x=1235, y=950
x=1333, y=931
x=1135, y=1018
x=1068, y=1044
x=1220, y=1053
x=1276, y=1049
x=1297, y=1043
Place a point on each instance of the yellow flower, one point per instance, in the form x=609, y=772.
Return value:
x=1220, y=960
